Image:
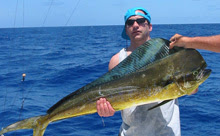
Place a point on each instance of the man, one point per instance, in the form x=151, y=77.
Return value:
x=211, y=43
x=138, y=121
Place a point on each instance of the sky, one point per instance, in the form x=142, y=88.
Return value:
x=51, y=13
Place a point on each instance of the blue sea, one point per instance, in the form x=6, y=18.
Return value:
x=59, y=60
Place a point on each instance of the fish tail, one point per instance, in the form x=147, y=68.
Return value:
x=38, y=124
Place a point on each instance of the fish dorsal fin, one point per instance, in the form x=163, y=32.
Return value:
x=144, y=55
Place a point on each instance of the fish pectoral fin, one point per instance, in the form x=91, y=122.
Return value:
x=160, y=104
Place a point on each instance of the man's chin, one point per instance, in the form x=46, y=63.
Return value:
x=137, y=37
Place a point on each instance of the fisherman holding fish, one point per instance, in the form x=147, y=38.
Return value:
x=148, y=76
x=138, y=121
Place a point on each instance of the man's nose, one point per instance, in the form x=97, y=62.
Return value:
x=135, y=23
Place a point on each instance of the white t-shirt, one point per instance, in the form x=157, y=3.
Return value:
x=161, y=121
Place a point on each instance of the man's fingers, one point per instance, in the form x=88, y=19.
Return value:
x=111, y=110
x=171, y=45
x=98, y=107
x=195, y=91
x=173, y=39
x=102, y=106
x=105, y=110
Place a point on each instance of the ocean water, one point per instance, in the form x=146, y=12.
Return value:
x=59, y=60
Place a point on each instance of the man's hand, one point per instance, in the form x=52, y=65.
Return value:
x=104, y=108
x=179, y=40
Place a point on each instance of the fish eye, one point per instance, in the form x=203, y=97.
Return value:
x=195, y=73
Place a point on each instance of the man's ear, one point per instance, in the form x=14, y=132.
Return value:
x=150, y=27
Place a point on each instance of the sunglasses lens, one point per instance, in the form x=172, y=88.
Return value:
x=130, y=22
x=140, y=20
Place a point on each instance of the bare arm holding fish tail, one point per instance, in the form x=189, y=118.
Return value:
x=211, y=43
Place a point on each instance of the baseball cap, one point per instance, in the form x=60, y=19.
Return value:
x=132, y=12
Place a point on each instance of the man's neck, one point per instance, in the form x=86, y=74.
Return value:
x=135, y=44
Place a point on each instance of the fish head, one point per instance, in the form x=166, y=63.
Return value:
x=191, y=81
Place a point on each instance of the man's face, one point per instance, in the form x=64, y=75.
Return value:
x=139, y=29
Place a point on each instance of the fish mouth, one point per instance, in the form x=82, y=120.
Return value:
x=204, y=74
x=207, y=72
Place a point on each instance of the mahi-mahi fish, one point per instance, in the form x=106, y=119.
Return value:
x=152, y=73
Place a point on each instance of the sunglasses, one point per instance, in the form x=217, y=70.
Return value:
x=140, y=21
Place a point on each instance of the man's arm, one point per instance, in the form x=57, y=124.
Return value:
x=211, y=43
x=113, y=62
